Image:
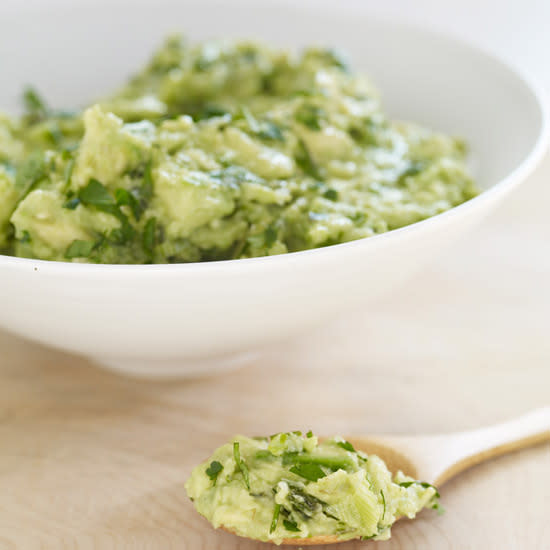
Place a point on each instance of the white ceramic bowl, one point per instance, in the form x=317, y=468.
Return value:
x=188, y=319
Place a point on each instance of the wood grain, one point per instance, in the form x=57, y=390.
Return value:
x=90, y=460
x=94, y=461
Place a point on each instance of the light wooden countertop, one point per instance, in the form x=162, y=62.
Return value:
x=90, y=460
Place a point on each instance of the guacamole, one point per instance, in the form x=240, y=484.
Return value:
x=291, y=486
x=218, y=151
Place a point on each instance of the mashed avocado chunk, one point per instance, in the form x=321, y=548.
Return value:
x=218, y=151
x=291, y=486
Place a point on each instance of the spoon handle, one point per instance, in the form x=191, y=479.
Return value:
x=466, y=449
x=438, y=458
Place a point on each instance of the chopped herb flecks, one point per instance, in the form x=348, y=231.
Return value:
x=34, y=104
x=274, y=521
x=96, y=194
x=310, y=116
x=213, y=471
x=149, y=235
x=309, y=471
x=291, y=526
x=240, y=464
x=346, y=445
x=217, y=151
x=306, y=162
x=290, y=485
x=79, y=249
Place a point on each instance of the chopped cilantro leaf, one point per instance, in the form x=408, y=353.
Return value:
x=331, y=194
x=413, y=169
x=31, y=171
x=126, y=198
x=213, y=471
x=291, y=526
x=309, y=115
x=346, y=445
x=34, y=104
x=265, y=129
x=149, y=235
x=309, y=471
x=71, y=204
x=124, y=233
x=306, y=162
x=79, y=249
x=208, y=111
x=364, y=132
x=270, y=236
x=96, y=194
x=269, y=130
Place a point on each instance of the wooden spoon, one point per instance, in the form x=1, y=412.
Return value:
x=438, y=458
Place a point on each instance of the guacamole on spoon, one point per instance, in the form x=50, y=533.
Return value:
x=290, y=486
x=217, y=151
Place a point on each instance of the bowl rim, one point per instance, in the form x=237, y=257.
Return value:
x=519, y=173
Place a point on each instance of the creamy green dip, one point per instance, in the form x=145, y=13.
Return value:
x=219, y=151
x=292, y=486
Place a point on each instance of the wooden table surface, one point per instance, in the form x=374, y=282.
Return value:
x=91, y=460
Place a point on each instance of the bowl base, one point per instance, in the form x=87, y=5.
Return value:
x=175, y=367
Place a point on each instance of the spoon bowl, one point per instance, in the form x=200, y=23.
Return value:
x=438, y=458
